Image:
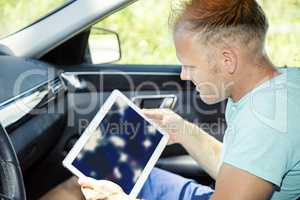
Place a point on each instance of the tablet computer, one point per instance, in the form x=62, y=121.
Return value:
x=120, y=145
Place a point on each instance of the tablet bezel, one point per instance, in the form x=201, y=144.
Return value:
x=67, y=162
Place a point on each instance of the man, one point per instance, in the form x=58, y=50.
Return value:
x=221, y=45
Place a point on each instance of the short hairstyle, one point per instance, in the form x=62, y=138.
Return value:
x=221, y=19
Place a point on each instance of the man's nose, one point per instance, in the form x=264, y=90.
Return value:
x=184, y=75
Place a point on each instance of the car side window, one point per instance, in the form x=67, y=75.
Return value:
x=144, y=32
x=146, y=37
x=284, y=33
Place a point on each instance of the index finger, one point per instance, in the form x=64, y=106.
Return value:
x=153, y=113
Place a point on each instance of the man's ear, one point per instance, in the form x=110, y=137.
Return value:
x=230, y=60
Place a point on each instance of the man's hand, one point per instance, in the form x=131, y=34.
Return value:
x=168, y=120
x=101, y=190
x=236, y=184
x=205, y=149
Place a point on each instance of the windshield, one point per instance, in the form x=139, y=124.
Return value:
x=17, y=14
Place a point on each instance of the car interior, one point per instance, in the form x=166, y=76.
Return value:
x=62, y=87
x=61, y=91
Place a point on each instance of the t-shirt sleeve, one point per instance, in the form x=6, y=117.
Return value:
x=261, y=151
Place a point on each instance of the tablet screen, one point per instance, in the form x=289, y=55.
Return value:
x=120, y=147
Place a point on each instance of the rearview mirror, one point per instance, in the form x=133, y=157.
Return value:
x=103, y=46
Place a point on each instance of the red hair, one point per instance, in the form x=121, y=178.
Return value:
x=215, y=16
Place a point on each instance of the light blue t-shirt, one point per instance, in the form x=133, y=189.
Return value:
x=263, y=133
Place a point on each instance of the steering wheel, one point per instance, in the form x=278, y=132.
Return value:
x=11, y=179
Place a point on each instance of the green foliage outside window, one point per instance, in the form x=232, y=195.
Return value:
x=146, y=37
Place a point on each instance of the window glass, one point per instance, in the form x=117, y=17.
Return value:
x=17, y=14
x=284, y=34
x=144, y=32
x=146, y=38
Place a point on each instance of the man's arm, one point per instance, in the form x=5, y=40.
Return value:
x=204, y=148
x=235, y=184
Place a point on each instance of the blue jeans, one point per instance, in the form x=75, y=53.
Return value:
x=163, y=185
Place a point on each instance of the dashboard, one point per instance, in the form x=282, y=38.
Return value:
x=29, y=101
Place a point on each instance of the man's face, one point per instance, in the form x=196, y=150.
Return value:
x=203, y=67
